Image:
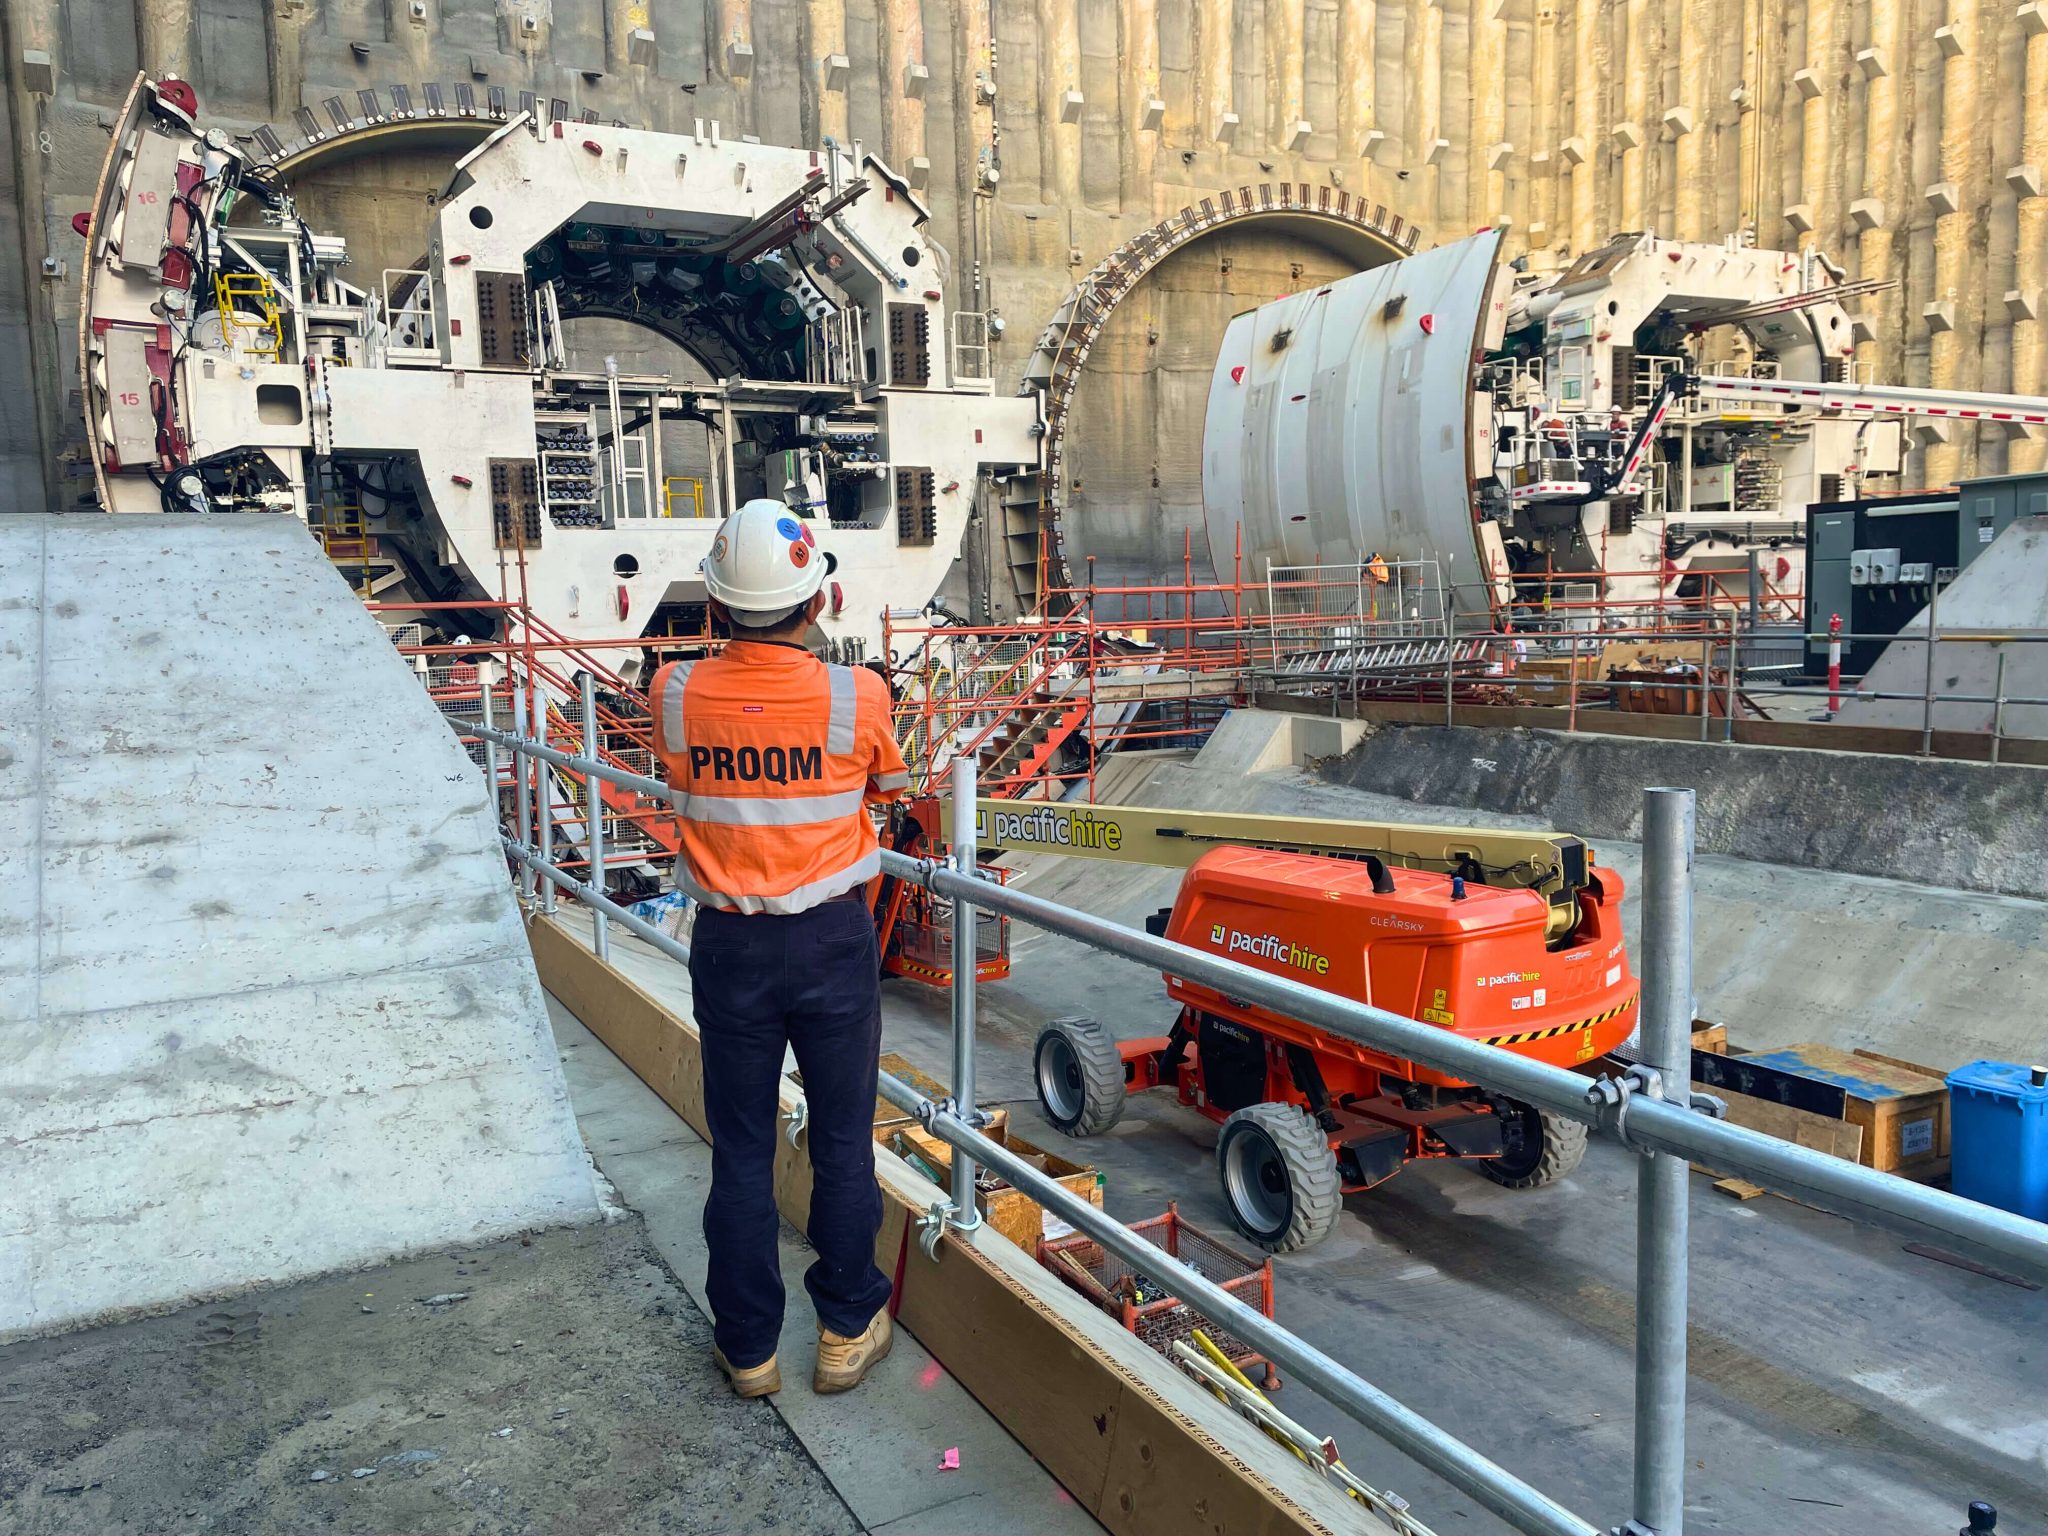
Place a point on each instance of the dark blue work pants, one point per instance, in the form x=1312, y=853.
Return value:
x=811, y=981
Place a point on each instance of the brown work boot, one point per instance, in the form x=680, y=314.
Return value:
x=842, y=1362
x=755, y=1380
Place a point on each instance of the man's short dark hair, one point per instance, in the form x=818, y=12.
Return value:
x=790, y=626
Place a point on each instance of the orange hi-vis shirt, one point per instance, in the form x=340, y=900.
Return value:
x=775, y=756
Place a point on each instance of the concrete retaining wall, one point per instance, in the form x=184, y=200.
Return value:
x=1968, y=826
x=266, y=1006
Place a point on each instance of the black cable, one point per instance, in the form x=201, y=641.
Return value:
x=201, y=266
x=262, y=182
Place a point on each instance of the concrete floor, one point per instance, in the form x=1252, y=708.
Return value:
x=878, y=1447
x=570, y=1394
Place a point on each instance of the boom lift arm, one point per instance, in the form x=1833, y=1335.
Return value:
x=1555, y=865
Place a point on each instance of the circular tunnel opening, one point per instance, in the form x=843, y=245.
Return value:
x=748, y=318
x=1133, y=434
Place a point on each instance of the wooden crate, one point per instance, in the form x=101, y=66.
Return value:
x=1010, y=1211
x=1903, y=1112
x=1803, y=1128
x=1553, y=678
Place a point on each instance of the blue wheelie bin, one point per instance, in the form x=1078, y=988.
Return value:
x=1998, y=1120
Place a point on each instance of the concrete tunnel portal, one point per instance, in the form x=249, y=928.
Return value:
x=1128, y=358
x=1146, y=383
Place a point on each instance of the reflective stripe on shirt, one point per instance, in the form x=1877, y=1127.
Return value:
x=802, y=899
x=764, y=811
x=845, y=709
x=672, y=707
x=886, y=782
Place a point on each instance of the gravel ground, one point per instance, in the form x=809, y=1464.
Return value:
x=570, y=1392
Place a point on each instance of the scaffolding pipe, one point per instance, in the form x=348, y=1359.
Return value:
x=1998, y=706
x=522, y=770
x=966, y=1214
x=544, y=802
x=1662, y=1214
x=486, y=675
x=593, y=807
x=1927, y=697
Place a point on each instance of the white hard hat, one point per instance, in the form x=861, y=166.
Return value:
x=764, y=564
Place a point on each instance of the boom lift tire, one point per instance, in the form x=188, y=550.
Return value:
x=1080, y=1076
x=1279, y=1176
x=1551, y=1147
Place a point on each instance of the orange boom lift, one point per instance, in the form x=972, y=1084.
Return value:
x=1510, y=938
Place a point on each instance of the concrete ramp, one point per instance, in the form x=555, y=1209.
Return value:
x=2006, y=587
x=266, y=1007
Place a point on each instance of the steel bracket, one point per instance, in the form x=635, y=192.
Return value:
x=931, y=1226
x=1644, y=1081
x=799, y=1117
x=933, y=1108
x=1617, y=1093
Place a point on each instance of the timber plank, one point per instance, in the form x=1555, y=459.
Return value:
x=1837, y=1138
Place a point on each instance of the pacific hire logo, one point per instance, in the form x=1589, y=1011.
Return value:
x=1268, y=946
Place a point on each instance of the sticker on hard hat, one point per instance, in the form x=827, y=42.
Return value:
x=799, y=556
x=718, y=547
x=789, y=528
x=806, y=532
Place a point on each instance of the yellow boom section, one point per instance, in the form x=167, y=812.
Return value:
x=1553, y=864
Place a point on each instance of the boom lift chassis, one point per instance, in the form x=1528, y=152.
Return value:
x=1509, y=937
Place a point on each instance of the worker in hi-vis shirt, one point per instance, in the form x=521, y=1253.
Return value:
x=775, y=757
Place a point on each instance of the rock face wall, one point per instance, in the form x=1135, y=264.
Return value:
x=1908, y=139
